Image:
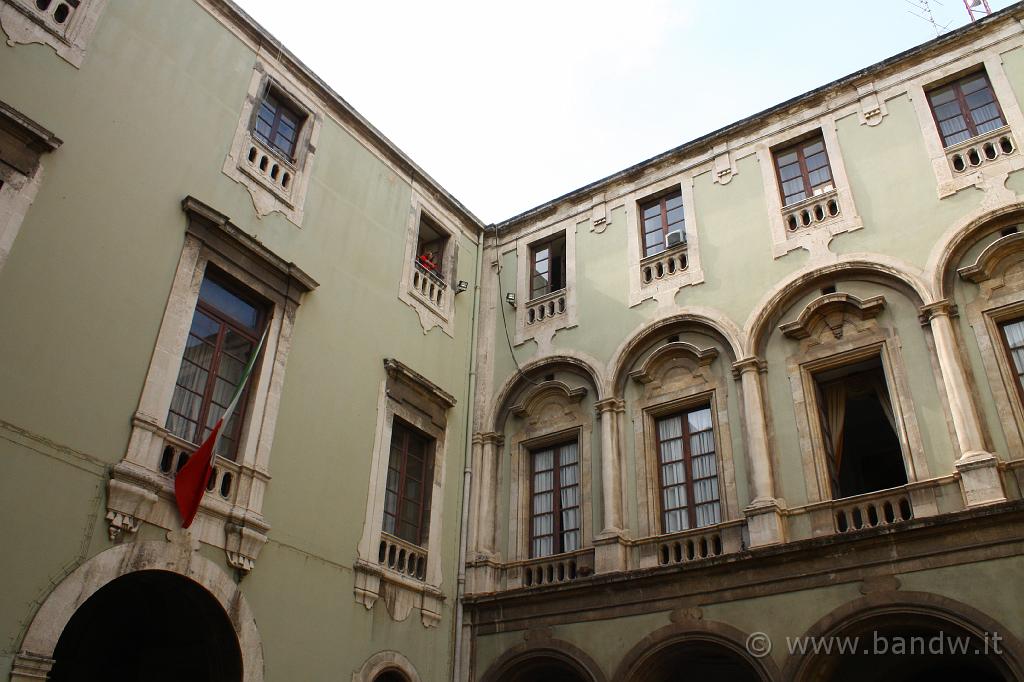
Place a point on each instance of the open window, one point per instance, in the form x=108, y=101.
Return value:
x=859, y=429
x=547, y=266
x=431, y=250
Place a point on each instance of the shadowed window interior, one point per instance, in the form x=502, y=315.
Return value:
x=277, y=123
x=701, y=660
x=555, y=500
x=547, y=266
x=965, y=108
x=859, y=428
x=407, y=493
x=226, y=328
x=688, y=470
x=391, y=676
x=168, y=628
x=803, y=170
x=431, y=244
x=664, y=223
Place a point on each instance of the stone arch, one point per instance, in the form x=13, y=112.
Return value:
x=721, y=637
x=384, y=662
x=530, y=373
x=883, y=269
x=546, y=649
x=957, y=240
x=179, y=556
x=889, y=606
x=708, y=320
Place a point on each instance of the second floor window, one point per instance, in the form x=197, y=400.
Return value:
x=407, y=492
x=555, y=500
x=803, y=170
x=547, y=266
x=1013, y=337
x=965, y=108
x=688, y=471
x=277, y=124
x=431, y=244
x=663, y=223
x=226, y=327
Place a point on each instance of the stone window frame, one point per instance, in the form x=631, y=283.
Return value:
x=139, y=489
x=411, y=289
x=543, y=330
x=815, y=236
x=22, y=144
x=662, y=289
x=553, y=414
x=859, y=338
x=999, y=274
x=989, y=172
x=245, y=160
x=667, y=391
x=410, y=397
x=24, y=24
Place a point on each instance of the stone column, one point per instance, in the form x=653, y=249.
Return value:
x=764, y=514
x=611, y=484
x=609, y=550
x=978, y=468
x=488, y=500
x=476, y=492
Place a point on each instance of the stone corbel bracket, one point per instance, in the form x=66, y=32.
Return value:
x=127, y=503
x=242, y=545
x=723, y=165
x=872, y=107
x=373, y=582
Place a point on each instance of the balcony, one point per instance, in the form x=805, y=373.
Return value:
x=669, y=262
x=811, y=212
x=429, y=288
x=980, y=150
x=689, y=546
x=545, y=307
x=404, y=558
x=269, y=168
x=550, y=570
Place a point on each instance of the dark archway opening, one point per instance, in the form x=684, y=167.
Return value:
x=544, y=669
x=390, y=676
x=151, y=626
x=699, y=660
x=913, y=651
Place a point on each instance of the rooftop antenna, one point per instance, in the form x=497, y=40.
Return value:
x=924, y=12
x=977, y=9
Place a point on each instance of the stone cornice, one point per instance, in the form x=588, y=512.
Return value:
x=402, y=372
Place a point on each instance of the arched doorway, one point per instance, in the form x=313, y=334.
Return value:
x=543, y=669
x=911, y=647
x=166, y=627
x=391, y=676
x=701, y=659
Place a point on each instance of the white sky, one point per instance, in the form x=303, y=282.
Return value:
x=509, y=105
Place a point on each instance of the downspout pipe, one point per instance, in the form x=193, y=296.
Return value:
x=467, y=472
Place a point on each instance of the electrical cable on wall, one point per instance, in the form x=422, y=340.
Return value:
x=504, y=322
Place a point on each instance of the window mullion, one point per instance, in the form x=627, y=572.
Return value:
x=691, y=511
x=403, y=461
x=211, y=382
x=556, y=458
x=965, y=110
x=804, y=174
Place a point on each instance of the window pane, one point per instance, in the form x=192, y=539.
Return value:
x=673, y=474
x=542, y=547
x=567, y=454
x=571, y=540
x=674, y=201
x=228, y=303
x=674, y=497
x=543, y=524
x=570, y=520
x=671, y=427
x=543, y=460
x=704, y=466
x=570, y=497
x=671, y=451
x=542, y=503
x=569, y=475
x=676, y=521
x=699, y=420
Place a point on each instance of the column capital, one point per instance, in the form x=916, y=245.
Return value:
x=489, y=438
x=748, y=364
x=943, y=308
x=609, y=405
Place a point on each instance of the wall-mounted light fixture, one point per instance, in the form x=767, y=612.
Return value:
x=511, y=298
x=461, y=286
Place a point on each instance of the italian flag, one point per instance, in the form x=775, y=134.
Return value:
x=190, y=483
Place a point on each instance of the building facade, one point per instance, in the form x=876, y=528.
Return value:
x=763, y=388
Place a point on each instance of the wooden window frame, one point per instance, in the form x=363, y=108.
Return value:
x=661, y=201
x=226, y=323
x=691, y=507
x=805, y=175
x=534, y=248
x=558, y=544
x=965, y=109
x=408, y=432
x=284, y=104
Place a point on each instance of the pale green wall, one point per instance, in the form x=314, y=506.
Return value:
x=147, y=120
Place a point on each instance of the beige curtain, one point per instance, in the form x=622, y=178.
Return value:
x=833, y=414
x=882, y=391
